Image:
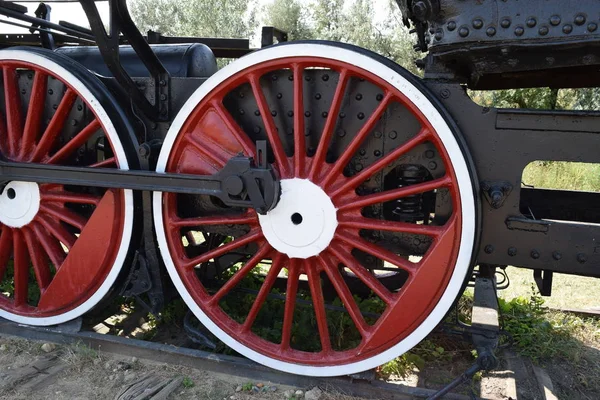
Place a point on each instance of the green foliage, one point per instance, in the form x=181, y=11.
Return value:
x=188, y=382
x=563, y=175
x=289, y=16
x=247, y=387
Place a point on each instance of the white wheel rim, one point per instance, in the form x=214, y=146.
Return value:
x=446, y=136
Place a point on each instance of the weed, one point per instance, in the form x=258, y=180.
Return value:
x=187, y=382
x=247, y=387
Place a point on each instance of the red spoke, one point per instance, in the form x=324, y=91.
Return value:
x=69, y=197
x=267, y=118
x=12, y=100
x=34, y=113
x=299, y=138
x=39, y=260
x=207, y=150
x=290, y=303
x=76, y=142
x=51, y=245
x=64, y=215
x=314, y=281
x=5, y=249
x=109, y=162
x=250, y=237
x=55, y=126
x=244, y=219
x=21, y=269
x=363, y=274
x=264, y=291
x=359, y=178
x=377, y=251
x=241, y=274
x=58, y=231
x=388, y=195
x=352, y=148
x=332, y=117
x=234, y=128
x=345, y=295
x=390, y=226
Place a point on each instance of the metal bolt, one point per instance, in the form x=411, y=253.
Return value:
x=144, y=150
x=274, y=113
x=257, y=129
x=477, y=23
x=535, y=254
x=592, y=27
x=362, y=152
x=489, y=249
x=432, y=165
x=379, y=97
x=567, y=29
x=163, y=82
x=519, y=31
x=581, y=258
x=163, y=97
x=444, y=94
x=257, y=113
x=556, y=255
x=74, y=122
x=324, y=114
x=241, y=111
x=318, y=96
x=307, y=114
x=55, y=106
x=291, y=78
x=579, y=19
x=463, y=31
x=531, y=22
x=505, y=23
x=512, y=251
x=290, y=114
x=377, y=153
x=393, y=135
x=30, y=76
x=543, y=31
x=555, y=20
x=361, y=115
x=377, y=134
x=451, y=26
x=325, y=77
x=279, y=95
x=429, y=154
x=491, y=31
x=307, y=78
x=342, y=115
x=79, y=107
x=359, y=97
x=50, y=91
x=341, y=133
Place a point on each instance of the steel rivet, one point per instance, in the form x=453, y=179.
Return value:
x=556, y=255
x=325, y=77
x=74, y=122
x=318, y=96
x=358, y=167
x=581, y=258
x=242, y=112
x=579, y=19
x=377, y=153
x=30, y=76
x=23, y=91
x=531, y=22
x=257, y=113
x=491, y=31
x=274, y=113
x=463, y=32
x=519, y=31
x=379, y=97
x=535, y=254
x=393, y=135
x=307, y=114
x=512, y=251
x=432, y=165
x=451, y=26
x=342, y=133
x=274, y=77
x=257, y=129
x=555, y=20
x=163, y=83
x=377, y=134
x=489, y=249
x=50, y=91
x=324, y=114
x=592, y=27
x=55, y=106
x=505, y=23
x=290, y=113
x=307, y=78
x=360, y=115
x=444, y=94
x=342, y=115
x=429, y=154
x=163, y=97
x=362, y=152
x=543, y=31
x=567, y=29
x=241, y=94
x=359, y=97
x=79, y=107
x=477, y=23
x=279, y=95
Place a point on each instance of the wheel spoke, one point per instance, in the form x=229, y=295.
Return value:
x=55, y=126
x=352, y=148
x=290, y=303
x=274, y=139
x=250, y=237
x=6, y=247
x=34, y=113
x=21, y=269
x=12, y=100
x=244, y=219
x=299, y=138
x=69, y=197
x=58, y=231
x=77, y=141
x=363, y=274
x=394, y=194
x=363, y=175
x=51, y=245
x=314, y=282
x=64, y=215
x=264, y=291
x=332, y=117
x=345, y=295
x=390, y=226
x=241, y=274
x=109, y=162
x=207, y=149
x=233, y=128
x=39, y=260
x=378, y=252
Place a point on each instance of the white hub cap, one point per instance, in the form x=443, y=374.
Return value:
x=303, y=222
x=19, y=203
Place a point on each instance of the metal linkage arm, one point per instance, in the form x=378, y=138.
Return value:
x=238, y=184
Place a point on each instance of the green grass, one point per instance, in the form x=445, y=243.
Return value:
x=563, y=175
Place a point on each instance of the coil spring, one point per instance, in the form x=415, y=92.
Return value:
x=410, y=208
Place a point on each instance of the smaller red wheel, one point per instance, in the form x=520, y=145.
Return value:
x=358, y=212
x=61, y=247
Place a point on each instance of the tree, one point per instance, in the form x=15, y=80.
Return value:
x=328, y=16
x=289, y=16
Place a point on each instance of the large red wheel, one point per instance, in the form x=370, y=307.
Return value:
x=372, y=238
x=61, y=247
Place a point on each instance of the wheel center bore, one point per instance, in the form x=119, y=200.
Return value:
x=19, y=203
x=303, y=222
